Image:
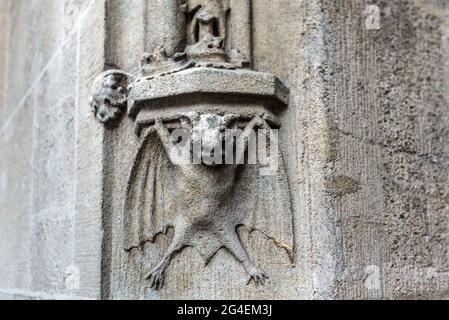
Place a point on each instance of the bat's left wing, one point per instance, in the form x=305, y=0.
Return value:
x=150, y=190
x=263, y=204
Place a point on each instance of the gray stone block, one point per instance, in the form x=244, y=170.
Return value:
x=54, y=159
x=16, y=187
x=207, y=81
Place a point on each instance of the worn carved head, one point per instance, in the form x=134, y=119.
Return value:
x=108, y=96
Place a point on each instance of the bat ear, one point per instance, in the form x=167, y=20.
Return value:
x=188, y=120
x=185, y=122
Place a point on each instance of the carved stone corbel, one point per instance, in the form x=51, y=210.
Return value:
x=203, y=91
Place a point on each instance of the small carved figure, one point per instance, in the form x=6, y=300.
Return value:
x=207, y=44
x=205, y=203
x=209, y=18
x=108, y=96
x=207, y=29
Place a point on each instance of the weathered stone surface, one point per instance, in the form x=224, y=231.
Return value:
x=293, y=51
x=125, y=49
x=89, y=157
x=16, y=187
x=364, y=140
x=387, y=95
x=4, y=25
x=48, y=268
x=208, y=81
x=19, y=59
x=52, y=251
x=128, y=268
x=32, y=41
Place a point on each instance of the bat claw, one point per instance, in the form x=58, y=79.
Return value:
x=156, y=279
x=259, y=123
x=258, y=275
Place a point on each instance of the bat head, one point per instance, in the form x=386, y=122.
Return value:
x=208, y=131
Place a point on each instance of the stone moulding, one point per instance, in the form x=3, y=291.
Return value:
x=204, y=90
x=207, y=81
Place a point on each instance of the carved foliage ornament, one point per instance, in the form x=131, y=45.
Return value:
x=206, y=91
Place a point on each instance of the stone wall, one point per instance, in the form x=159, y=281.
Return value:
x=388, y=108
x=50, y=51
x=364, y=140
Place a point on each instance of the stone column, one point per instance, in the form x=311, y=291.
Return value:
x=241, y=31
x=165, y=26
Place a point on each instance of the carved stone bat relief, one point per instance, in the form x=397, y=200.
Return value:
x=207, y=91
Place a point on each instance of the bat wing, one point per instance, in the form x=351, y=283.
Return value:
x=149, y=192
x=263, y=204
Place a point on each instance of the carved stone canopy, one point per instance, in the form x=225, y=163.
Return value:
x=206, y=89
x=209, y=83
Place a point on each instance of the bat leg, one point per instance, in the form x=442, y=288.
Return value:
x=156, y=276
x=236, y=248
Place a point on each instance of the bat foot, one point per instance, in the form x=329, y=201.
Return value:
x=156, y=279
x=257, y=275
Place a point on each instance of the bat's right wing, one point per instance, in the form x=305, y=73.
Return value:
x=149, y=193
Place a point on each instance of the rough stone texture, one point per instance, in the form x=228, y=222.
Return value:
x=364, y=140
x=90, y=159
x=41, y=76
x=16, y=171
x=33, y=41
x=386, y=92
x=4, y=25
x=187, y=83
